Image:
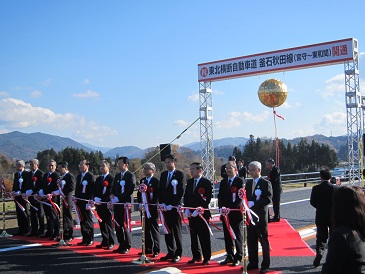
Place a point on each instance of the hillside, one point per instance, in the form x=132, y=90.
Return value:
x=18, y=145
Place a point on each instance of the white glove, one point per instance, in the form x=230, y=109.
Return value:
x=140, y=206
x=220, y=211
x=187, y=213
x=63, y=182
x=41, y=192
x=18, y=192
x=258, y=193
x=114, y=199
x=97, y=200
x=57, y=192
x=87, y=207
x=169, y=207
x=250, y=204
x=194, y=214
x=29, y=192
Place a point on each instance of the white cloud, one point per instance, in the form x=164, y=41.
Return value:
x=86, y=81
x=193, y=98
x=334, y=87
x=3, y=94
x=36, y=94
x=18, y=115
x=180, y=123
x=47, y=82
x=87, y=94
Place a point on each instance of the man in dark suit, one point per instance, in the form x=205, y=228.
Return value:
x=198, y=193
x=275, y=180
x=242, y=170
x=152, y=231
x=228, y=198
x=49, y=183
x=123, y=187
x=223, y=167
x=19, y=188
x=321, y=200
x=67, y=186
x=171, y=190
x=34, y=185
x=85, y=182
x=102, y=190
x=258, y=193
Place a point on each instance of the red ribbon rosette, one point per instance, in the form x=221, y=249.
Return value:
x=224, y=212
x=49, y=179
x=34, y=180
x=165, y=228
x=150, y=189
x=201, y=191
x=105, y=184
x=143, y=189
x=234, y=191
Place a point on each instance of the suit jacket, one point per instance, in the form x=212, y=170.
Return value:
x=35, y=181
x=261, y=203
x=69, y=187
x=99, y=187
x=89, y=189
x=321, y=199
x=201, y=196
x=130, y=183
x=21, y=181
x=49, y=182
x=152, y=194
x=346, y=252
x=166, y=194
x=242, y=172
x=225, y=197
x=274, y=177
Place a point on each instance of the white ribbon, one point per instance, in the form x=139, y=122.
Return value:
x=144, y=200
x=122, y=184
x=20, y=182
x=84, y=183
x=174, y=184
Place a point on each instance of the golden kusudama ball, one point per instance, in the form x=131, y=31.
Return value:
x=272, y=93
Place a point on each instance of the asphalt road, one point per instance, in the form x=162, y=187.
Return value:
x=39, y=259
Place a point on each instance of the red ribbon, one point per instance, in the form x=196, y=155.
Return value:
x=281, y=117
x=127, y=217
x=225, y=211
x=165, y=228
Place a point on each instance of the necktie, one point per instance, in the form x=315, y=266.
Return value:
x=168, y=180
x=230, y=182
x=253, y=186
x=194, y=186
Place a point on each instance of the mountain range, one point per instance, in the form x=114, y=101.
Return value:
x=18, y=145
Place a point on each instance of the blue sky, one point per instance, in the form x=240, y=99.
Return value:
x=118, y=73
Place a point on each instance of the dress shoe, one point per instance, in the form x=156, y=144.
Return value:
x=124, y=251
x=155, y=254
x=226, y=261
x=53, y=238
x=167, y=257
x=236, y=263
x=176, y=259
x=147, y=252
x=264, y=270
x=252, y=266
x=31, y=234
x=274, y=220
x=317, y=260
x=69, y=239
x=192, y=261
x=81, y=243
x=109, y=247
x=205, y=262
x=89, y=243
x=100, y=246
x=45, y=235
x=118, y=250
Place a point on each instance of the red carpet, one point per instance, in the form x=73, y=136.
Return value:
x=284, y=241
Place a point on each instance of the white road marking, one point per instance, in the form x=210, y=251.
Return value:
x=19, y=247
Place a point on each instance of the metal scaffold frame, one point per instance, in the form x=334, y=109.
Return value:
x=206, y=129
x=355, y=117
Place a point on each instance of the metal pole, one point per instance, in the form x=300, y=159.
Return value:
x=244, y=242
x=4, y=233
x=143, y=259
